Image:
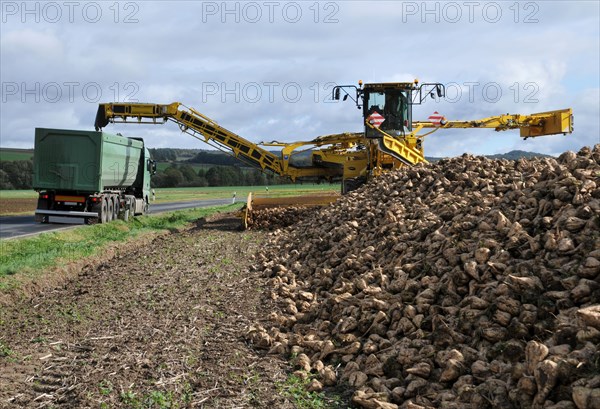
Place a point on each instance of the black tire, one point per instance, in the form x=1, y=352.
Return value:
x=110, y=211
x=104, y=211
x=132, y=207
x=97, y=208
x=117, y=208
x=42, y=204
x=349, y=185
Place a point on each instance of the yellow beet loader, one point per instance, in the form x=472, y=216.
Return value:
x=391, y=137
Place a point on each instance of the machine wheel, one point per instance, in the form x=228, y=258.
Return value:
x=104, y=211
x=349, y=185
x=110, y=213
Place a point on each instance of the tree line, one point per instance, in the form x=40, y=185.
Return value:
x=184, y=175
x=192, y=156
x=19, y=175
x=16, y=174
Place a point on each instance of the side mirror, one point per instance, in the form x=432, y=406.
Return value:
x=439, y=91
x=336, y=95
x=151, y=167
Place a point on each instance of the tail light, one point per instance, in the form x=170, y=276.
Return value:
x=43, y=195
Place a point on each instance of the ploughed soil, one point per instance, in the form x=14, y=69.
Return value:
x=161, y=326
x=12, y=206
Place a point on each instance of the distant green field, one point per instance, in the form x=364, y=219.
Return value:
x=177, y=194
x=9, y=154
x=18, y=194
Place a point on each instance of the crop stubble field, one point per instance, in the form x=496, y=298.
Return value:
x=156, y=326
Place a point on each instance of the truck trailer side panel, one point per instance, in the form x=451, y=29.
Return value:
x=84, y=161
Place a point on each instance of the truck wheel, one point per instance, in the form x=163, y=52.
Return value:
x=104, y=211
x=97, y=208
x=117, y=208
x=110, y=211
x=132, y=207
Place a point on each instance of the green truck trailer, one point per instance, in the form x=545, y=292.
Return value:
x=92, y=175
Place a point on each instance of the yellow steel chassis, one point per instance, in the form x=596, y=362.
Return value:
x=334, y=157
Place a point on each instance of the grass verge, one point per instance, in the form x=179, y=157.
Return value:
x=25, y=259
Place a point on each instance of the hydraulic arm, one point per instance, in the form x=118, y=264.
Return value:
x=530, y=126
x=204, y=128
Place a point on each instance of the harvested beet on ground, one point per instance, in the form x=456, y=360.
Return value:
x=277, y=217
x=465, y=283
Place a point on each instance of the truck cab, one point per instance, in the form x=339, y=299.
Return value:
x=150, y=169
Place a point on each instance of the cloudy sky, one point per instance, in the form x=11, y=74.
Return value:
x=265, y=69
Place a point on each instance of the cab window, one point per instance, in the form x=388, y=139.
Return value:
x=396, y=111
x=376, y=102
x=393, y=105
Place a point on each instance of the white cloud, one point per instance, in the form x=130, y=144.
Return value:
x=29, y=43
x=179, y=51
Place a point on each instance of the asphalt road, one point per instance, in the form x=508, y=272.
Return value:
x=17, y=226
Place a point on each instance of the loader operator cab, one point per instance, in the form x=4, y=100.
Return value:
x=387, y=107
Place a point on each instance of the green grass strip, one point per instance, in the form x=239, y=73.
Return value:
x=33, y=255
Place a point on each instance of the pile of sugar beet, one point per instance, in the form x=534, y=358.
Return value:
x=467, y=283
x=276, y=217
